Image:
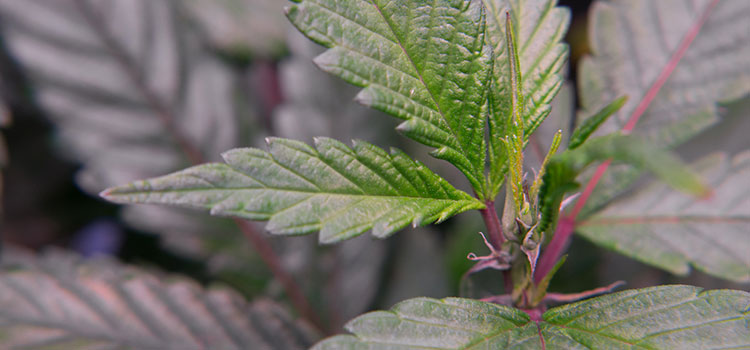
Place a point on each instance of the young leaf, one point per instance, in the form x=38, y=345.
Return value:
x=563, y=169
x=425, y=62
x=61, y=303
x=673, y=231
x=667, y=317
x=514, y=140
x=340, y=191
x=539, y=29
x=583, y=131
x=635, y=52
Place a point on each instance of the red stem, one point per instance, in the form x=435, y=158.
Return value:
x=495, y=234
x=567, y=224
x=494, y=228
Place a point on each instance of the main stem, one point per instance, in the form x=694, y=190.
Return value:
x=495, y=234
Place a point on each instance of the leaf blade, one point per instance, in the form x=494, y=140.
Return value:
x=338, y=190
x=674, y=232
x=540, y=26
x=669, y=317
x=57, y=301
x=686, y=102
x=431, y=76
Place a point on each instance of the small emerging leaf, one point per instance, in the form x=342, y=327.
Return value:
x=538, y=27
x=338, y=190
x=667, y=317
x=582, y=133
x=556, y=140
x=514, y=141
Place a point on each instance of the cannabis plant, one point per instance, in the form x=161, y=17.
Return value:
x=474, y=80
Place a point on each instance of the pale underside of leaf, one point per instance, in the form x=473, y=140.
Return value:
x=341, y=192
x=667, y=317
x=122, y=92
x=539, y=26
x=633, y=42
x=425, y=62
x=673, y=231
x=61, y=303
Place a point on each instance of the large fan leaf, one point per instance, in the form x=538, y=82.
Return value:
x=129, y=88
x=669, y=317
x=61, y=303
x=635, y=44
x=340, y=191
x=673, y=231
x=539, y=27
x=422, y=61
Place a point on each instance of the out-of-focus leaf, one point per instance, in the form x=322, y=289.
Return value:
x=339, y=191
x=4, y=121
x=58, y=302
x=420, y=268
x=667, y=317
x=125, y=83
x=319, y=104
x=539, y=27
x=132, y=93
x=632, y=43
x=562, y=170
x=254, y=27
x=433, y=76
x=673, y=231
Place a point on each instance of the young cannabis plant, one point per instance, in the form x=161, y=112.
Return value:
x=458, y=76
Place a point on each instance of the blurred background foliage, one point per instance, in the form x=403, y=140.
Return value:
x=104, y=92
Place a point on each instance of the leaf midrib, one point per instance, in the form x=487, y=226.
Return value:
x=203, y=189
x=420, y=77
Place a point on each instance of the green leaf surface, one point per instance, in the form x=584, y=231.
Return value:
x=633, y=43
x=673, y=231
x=667, y=317
x=59, y=302
x=539, y=29
x=340, y=191
x=422, y=61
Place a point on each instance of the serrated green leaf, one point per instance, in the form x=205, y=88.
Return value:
x=539, y=29
x=583, y=131
x=341, y=192
x=425, y=62
x=632, y=43
x=563, y=169
x=667, y=317
x=59, y=302
x=673, y=231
